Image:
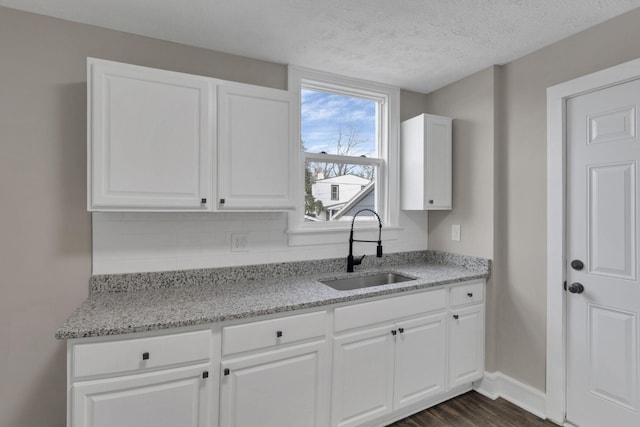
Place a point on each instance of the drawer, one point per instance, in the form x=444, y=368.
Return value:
x=268, y=333
x=391, y=309
x=469, y=293
x=141, y=353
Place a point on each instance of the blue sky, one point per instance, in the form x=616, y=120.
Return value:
x=324, y=114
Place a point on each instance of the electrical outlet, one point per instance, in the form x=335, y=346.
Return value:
x=455, y=232
x=239, y=242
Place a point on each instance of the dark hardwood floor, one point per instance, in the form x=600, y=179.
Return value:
x=471, y=410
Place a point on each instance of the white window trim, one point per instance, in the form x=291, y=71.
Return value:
x=389, y=131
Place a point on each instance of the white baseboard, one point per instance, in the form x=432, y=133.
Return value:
x=497, y=384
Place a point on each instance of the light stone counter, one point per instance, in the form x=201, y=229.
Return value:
x=120, y=304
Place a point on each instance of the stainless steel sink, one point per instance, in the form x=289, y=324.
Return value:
x=367, y=281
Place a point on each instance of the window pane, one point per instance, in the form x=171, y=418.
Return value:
x=338, y=124
x=336, y=191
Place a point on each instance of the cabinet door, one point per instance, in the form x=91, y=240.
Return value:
x=150, y=137
x=170, y=398
x=466, y=345
x=255, y=148
x=363, y=364
x=439, y=163
x=426, y=163
x=287, y=387
x=420, y=360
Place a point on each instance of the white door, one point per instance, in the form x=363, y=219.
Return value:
x=362, y=376
x=150, y=137
x=256, y=148
x=170, y=398
x=420, y=364
x=603, y=302
x=279, y=388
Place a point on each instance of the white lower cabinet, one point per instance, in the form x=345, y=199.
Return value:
x=360, y=364
x=379, y=370
x=142, y=380
x=466, y=345
x=283, y=387
x=362, y=387
x=169, y=398
x=420, y=368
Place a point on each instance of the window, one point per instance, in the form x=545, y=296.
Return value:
x=340, y=143
x=348, y=151
x=335, y=192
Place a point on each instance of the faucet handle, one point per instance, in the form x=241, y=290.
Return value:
x=358, y=262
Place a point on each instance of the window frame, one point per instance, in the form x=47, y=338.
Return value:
x=387, y=161
x=335, y=196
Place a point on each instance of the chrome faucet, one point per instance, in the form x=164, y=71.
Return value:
x=350, y=261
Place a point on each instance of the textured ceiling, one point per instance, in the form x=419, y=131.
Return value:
x=420, y=45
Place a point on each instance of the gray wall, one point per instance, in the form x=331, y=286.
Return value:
x=45, y=255
x=517, y=311
x=471, y=102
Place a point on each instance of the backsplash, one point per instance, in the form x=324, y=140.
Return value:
x=249, y=273
x=134, y=242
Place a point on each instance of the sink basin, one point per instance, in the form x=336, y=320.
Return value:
x=367, y=281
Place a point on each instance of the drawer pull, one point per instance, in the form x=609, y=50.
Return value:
x=401, y=330
x=205, y=375
x=470, y=294
x=455, y=316
x=145, y=355
x=393, y=332
x=279, y=334
x=226, y=371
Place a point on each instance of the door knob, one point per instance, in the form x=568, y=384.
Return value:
x=576, y=264
x=576, y=288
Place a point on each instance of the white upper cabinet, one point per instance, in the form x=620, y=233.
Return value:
x=255, y=148
x=150, y=135
x=426, y=163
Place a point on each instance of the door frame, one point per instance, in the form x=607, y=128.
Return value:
x=556, y=375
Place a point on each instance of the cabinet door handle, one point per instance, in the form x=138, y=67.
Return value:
x=145, y=355
x=455, y=316
x=279, y=334
x=205, y=375
x=222, y=201
x=226, y=371
x=470, y=294
x=393, y=332
x=203, y=201
x=401, y=330
x=430, y=202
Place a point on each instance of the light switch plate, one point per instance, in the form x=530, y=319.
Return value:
x=455, y=232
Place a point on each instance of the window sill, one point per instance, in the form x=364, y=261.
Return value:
x=329, y=236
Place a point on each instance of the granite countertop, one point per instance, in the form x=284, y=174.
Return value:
x=120, y=304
